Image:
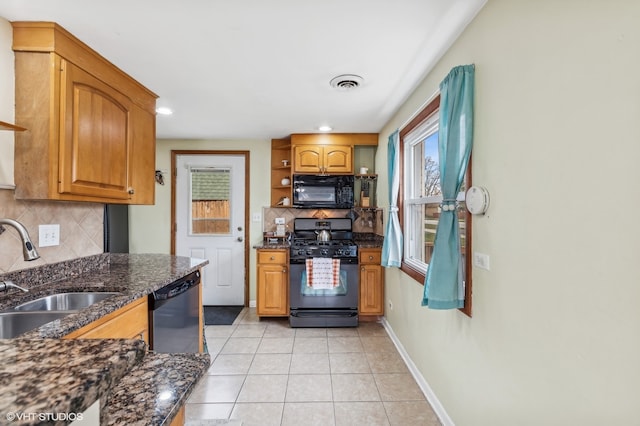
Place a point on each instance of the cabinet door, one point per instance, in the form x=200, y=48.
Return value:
x=95, y=137
x=307, y=159
x=143, y=158
x=371, y=290
x=128, y=322
x=323, y=159
x=273, y=290
x=338, y=159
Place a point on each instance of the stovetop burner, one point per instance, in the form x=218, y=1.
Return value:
x=302, y=242
x=305, y=244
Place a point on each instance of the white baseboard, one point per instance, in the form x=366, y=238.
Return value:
x=422, y=383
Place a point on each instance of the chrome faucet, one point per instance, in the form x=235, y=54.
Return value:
x=6, y=285
x=28, y=249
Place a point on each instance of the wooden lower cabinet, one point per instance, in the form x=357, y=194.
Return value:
x=129, y=322
x=178, y=420
x=272, y=295
x=371, y=282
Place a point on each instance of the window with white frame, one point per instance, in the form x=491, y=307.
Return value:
x=420, y=197
x=423, y=195
x=422, y=192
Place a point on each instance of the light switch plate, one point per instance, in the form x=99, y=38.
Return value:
x=256, y=217
x=481, y=260
x=48, y=235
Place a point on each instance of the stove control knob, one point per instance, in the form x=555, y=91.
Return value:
x=324, y=251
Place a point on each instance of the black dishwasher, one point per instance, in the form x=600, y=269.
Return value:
x=174, y=310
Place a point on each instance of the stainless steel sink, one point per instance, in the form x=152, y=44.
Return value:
x=13, y=324
x=64, y=301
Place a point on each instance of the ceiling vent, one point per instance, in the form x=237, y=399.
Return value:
x=346, y=82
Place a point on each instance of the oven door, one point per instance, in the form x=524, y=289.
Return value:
x=343, y=296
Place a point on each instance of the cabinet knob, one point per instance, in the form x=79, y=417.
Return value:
x=272, y=258
x=370, y=257
x=131, y=191
x=362, y=268
x=284, y=270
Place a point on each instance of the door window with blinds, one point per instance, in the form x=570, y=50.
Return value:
x=210, y=200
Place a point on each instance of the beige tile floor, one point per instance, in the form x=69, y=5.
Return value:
x=265, y=373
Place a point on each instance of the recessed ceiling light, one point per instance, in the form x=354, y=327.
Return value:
x=164, y=111
x=325, y=128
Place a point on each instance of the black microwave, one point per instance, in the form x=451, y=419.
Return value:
x=326, y=192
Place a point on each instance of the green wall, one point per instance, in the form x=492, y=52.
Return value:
x=149, y=230
x=555, y=333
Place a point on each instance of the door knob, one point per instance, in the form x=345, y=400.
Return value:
x=239, y=228
x=240, y=239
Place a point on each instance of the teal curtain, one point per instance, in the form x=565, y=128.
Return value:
x=444, y=285
x=392, y=245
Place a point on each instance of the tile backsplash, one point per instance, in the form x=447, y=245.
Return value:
x=81, y=230
x=365, y=220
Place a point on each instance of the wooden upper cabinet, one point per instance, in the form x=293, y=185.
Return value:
x=319, y=153
x=95, y=137
x=323, y=159
x=91, y=127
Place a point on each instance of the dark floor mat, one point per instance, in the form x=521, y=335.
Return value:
x=221, y=315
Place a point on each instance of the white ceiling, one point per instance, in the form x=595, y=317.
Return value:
x=244, y=69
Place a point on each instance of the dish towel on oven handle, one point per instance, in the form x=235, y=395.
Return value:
x=323, y=273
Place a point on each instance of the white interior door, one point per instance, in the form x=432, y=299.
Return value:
x=210, y=197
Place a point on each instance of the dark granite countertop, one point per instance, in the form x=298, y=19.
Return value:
x=48, y=375
x=368, y=240
x=275, y=246
x=131, y=275
x=152, y=392
x=60, y=377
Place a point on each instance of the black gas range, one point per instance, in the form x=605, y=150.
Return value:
x=305, y=243
x=316, y=300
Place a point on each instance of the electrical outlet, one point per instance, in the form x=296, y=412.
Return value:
x=481, y=260
x=279, y=220
x=48, y=235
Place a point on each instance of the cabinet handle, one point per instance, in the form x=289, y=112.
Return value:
x=362, y=268
x=272, y=258
x=370, y=257
x=284, y=270
x=131, y=191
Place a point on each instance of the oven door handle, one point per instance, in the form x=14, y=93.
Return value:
x=325, y=314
